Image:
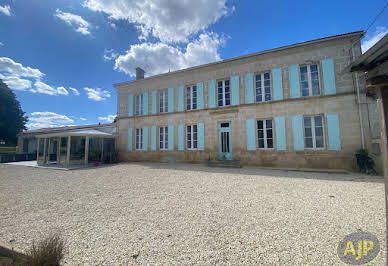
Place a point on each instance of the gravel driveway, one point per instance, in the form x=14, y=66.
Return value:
x=190, y=214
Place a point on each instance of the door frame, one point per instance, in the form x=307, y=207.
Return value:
x=219, y=130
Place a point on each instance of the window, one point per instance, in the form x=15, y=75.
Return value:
x=309, y=77
x=223, y=92
x=63, y=147
x=192, y=137
x=313, y=132
x=163, y=101
x=25, y=145
x=191, y=98
x=163, y=138
x=265, y=134
x=263, y=87
x=139, y=104
x=139, y=139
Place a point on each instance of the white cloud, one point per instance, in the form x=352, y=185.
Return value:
x=6, y=10
x=83, y=118
x=156, y=58
x=7, y=65
x=108, y=118
x=372, y=40
x=41, y=87
x=109, y=54
x=112, y=25
x=48, y=119
x=97, y=94
x=171, y=21
x=16, y=83
x=75, y=91
x=77, y=22
x=1, y=44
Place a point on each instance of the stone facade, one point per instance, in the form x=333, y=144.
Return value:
x=343, y=103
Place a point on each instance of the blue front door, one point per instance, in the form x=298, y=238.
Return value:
x=225, y=141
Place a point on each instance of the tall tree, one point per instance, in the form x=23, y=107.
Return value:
x=12, y=119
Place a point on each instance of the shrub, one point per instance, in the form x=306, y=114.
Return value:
x=49, y=251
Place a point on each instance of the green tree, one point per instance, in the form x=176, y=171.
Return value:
x=12, y=119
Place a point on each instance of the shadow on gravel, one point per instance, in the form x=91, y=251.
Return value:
x=258, y=171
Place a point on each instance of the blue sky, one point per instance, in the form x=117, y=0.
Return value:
x=61, y=57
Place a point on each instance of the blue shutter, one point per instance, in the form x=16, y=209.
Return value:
x=235, y=90
x=130, y=104
x=181, y=138
x=277, y=84
x=129, y=139
x=200, y=95
x=333, y=130
x=250, y=128
x=145, y=103
x=293, y=78
x=280, y=127
x=328, y=76
x=170, y=100
x=154, y=101
x=249, y=98
x=145, y=138
x=211, y=91
x=153, y=138
x=181, y=98
x=201, y=136
x=297, y=132
x=170, y=137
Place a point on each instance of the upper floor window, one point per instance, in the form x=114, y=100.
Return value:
x=163, y=101
x=163, y=138
x=139, y=139
x=265, y=134
x=313, y=132
x=139, y=104
x=223, y=92
x=191, y=98
x=309, y=77
x=192, y=137
x=263, y=87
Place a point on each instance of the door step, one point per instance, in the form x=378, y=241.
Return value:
x=226, y=163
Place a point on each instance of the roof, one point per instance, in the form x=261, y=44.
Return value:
x=325, y=39
x=377, y=54
x=89, y=132
x=68, y=128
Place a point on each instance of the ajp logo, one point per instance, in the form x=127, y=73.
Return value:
x=358, y=248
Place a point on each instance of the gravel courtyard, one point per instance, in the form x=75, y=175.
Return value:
x=190, y=214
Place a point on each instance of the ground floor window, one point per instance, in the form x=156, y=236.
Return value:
x=191, y=137
x=77, y=148
x=163, y=138
x=63, y=146
x=265, y=134
x=139, y=138
x=313, y=132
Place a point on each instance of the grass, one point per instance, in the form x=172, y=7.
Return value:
x=49, y=251
x=8, y=150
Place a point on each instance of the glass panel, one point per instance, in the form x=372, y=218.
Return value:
x=308, y=132
x=309, y=142
x=63, y=148
x=77, y=148
x=318, y=120
x=224, y=124
x=318, y=131
x=266, y=76
x=227, y=141
x=41, y=147
x=268, y=123
x=307, y=121
x=303, y=69
x=227, y=101
x=260, y=124
x=261, y=143
x=260, y=134
x=195, y=144
x=227, y=82
x=313, y=68
x=319, y=141
x=222, y=142
x=270, y=143
x=269, y=133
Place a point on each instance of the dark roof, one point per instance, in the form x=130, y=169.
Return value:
x=330, y=38
x=377, y=54
x=57, y=129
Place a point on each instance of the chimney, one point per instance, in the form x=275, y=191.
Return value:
x=139, y=73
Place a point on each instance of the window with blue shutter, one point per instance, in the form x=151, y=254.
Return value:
x=297, y=132
x=153, y=138
x=200, y=95
x=130, y=104
x=250, y=134
x=201, y=136
x=145, y=103
x=170, y=100
x=249, y=98
x=181, y=139
x=154, y=101
x=277, y=84
x=328, y=76
x=145, y=138
x=293, y=78
x=171, y=137
x=129, y=139
x=280, y=128
x=333, y=129
x=211, y=90
x=181, y=99
x=235, y=82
